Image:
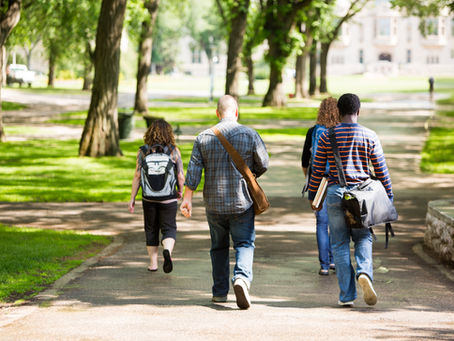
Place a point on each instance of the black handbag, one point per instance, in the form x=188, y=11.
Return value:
x=367, y=204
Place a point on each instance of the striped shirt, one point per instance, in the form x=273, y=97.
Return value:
x=225, y=190
x=357, y=146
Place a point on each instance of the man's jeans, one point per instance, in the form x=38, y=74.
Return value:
x=325, y=255
x=241, y=227
x=340, y=243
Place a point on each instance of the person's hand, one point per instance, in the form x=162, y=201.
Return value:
x=131, y=205
x=315, y=208
x=186, y=208
x=179, y=195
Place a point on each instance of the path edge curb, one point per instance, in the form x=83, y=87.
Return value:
x=419, y=251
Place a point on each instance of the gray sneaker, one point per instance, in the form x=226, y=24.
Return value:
x=369, y=294
x=243, y=301
x=219, y=299
x=346, y=304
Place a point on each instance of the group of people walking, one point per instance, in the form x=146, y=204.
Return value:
x=228, y=204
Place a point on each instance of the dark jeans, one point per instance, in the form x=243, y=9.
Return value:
x=159, y=217
x=241, y=228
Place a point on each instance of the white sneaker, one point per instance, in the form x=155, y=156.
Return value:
x=346, y=304
x=369, y=294
x=243, y=301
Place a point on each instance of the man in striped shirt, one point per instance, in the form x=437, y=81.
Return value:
x=358, y=146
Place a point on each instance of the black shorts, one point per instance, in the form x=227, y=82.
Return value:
x=159, y=217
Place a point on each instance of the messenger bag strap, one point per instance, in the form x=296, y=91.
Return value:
x=236, y=157
x=337, y=158
x=388, y=229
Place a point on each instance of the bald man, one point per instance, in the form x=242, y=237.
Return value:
x=228, y=205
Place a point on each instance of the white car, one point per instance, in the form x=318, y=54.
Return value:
x=18, y=73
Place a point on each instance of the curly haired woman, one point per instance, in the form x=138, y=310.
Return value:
x=159, y=208
x=328, y=116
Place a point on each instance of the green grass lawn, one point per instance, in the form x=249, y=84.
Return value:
x=447, y=101
x=204, y=115
x=359, y=84
x=52, y=171
x=438, y=151
x=31, y=259
x=7, y=106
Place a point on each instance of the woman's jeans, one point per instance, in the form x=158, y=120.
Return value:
x=241, y=228
x=325, y=255
x=340, y=243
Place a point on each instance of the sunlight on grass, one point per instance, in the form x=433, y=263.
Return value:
x=51, y=170
x=31, y=259
x=203, y=115
x=7, y=106
x=438, y=152
x=24, y=130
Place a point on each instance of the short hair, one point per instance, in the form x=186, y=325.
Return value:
x=227, y=106
x=348, y=104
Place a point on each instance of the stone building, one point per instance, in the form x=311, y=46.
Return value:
x=382, y=40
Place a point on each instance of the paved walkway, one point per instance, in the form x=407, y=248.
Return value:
x=115, y=298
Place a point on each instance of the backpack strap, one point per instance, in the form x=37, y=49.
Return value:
x=164, y=149
x=337, y=158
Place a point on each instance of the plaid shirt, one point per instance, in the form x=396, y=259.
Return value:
x=225, y=190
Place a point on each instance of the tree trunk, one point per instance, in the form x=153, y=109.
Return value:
x=88, y=67
x=144, y=62
x=2, y=131
x=275, y=96
x=313, y=69
x=100, y=136
x=250, y=76
x=300, y=76
x=238, y=28
x=4, y=64
x=88, y=79
x=300, y=68
x=52, y=63
x=8, y=19
x=323, y=66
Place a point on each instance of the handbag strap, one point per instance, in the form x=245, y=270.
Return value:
x=337, y=158
x=236, y=157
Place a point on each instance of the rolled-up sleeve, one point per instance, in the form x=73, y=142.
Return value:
x=261, y=158
x=195, y=167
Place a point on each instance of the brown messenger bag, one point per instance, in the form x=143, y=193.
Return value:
x=261, y=203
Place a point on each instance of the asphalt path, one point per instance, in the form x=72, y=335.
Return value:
x=113, y=297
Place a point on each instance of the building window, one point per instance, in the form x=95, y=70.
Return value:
x=361, y=56
x=432, y=60
x=452, y=27
x=385, y=57
x=337, y=60
x=431, y=27
x=196, y=56
x=409, y=31
x=452, y=53
x=442, y=27
x=361, y=32
x=384, y=27
x=408, y=56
